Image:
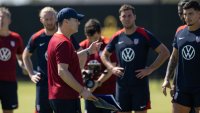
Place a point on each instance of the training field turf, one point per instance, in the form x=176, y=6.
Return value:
x=26, y=94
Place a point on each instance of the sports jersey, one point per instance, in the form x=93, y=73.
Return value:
x=108, y=87
x=39, y=41
x=132, y=51
x=188, y=45
x=10, y=46
x=61, y=50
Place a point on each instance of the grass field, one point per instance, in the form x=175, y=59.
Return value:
x=26, y=92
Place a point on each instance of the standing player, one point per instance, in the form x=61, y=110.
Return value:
x=131, y=45
x=105, y=83
x=64, y=74
x=186, y=54
x=11, y=48
x=166, y=84
x=39, y=41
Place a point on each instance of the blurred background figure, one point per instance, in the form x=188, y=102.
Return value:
x=11, y=48
x=95, y=75
x=38, y=44
x=110, y=26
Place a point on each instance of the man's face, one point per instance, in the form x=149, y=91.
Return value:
x=73, y=24
x=95, y=37
x=4, y=20
x=49, y=21
x=127, y=19
x=191, y=16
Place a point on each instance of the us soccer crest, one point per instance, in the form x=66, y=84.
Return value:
x=136, y=41
x=197, y=39
x=12, y=43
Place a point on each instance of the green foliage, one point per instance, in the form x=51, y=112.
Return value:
x=26, y=94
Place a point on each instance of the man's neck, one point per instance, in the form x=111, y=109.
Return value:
x=4, y=32
x=64, y=32
x=131, y=30
x=50, y=32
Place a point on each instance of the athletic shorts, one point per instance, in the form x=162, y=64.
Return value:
x=90, y=108
x=42, y=101
x=133, y=99
x=64, y=106
x=189, y=99
x=8, y=95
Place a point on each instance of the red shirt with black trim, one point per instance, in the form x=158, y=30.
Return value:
x=10, y=46
x=108, y=87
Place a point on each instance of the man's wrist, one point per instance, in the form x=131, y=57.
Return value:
x=166, y=79
x=88, y=52
x=110, y=68
x=81, y=91
x=99, y=83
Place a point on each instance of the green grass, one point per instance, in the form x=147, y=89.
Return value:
x=26, y=94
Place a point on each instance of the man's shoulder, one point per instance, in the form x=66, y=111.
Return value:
x=84, y=43
x=14, y=34
x=181, y=28
x=37, y=34
x=105, y=40
x=119, y=32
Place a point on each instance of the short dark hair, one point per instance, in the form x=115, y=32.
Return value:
x=92, y=26
x=126, y=7
x=192, y=4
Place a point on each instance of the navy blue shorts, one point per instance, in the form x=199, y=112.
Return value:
x=190, y=98
x=42, y=101
x=8, y=95
x=64, y=106
x=133, y=99
x=90, y=108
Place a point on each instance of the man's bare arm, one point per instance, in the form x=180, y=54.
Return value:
x=105, y=58
x=68, y=78
x=163, y=54
x=170, y=70
x=172, y=64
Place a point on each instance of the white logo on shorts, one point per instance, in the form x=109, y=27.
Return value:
x=38, y=107
x=142, y=107
x=175, y=95
x=5, y=54
x=14, y=106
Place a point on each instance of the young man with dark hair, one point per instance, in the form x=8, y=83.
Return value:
x=104, y=81
x=186, y=54
x=131, y=45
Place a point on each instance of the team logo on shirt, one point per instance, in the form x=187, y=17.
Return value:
x=188, y=52
x=5, y=54
x=197, y=39
x=45, y=55
x=128, y=54
x=12, y=43
x=136, y=41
